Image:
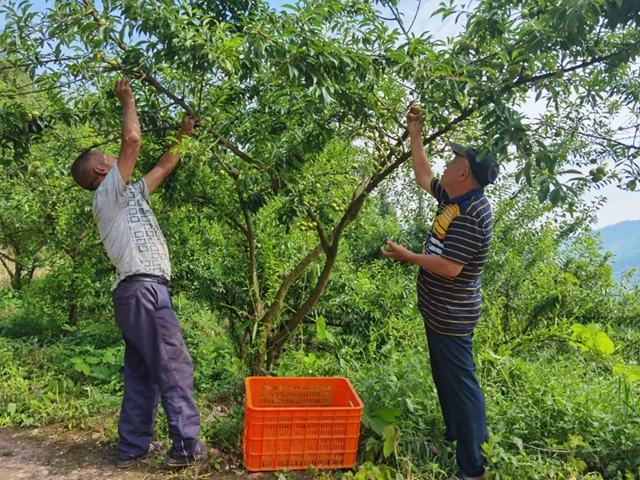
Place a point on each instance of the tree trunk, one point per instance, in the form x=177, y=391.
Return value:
x=16, y=278
x=74, y=314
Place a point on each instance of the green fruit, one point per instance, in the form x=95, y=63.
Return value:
x=359, y=132
x=597, y=178
x=35, y=113
x=355, y=166
x=513, y=71
x=28, y=117
x=388, y=248
x=102, y=22
x=601, y=170
x=36, y=164
x=525, y=13
x=472, y=45
x=415, y=109
x=527, y=75
x=496, y=64
x=559, y=74
x=593, y=161
x=593, y=172
x=632, y=185
x=593, y=51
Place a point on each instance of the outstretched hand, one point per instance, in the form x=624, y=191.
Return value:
x=187, y=125
x=414, y=122
x=123, y=92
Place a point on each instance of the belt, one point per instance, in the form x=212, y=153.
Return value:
x=146, y=278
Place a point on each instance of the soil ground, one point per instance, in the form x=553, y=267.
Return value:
x=48, y=453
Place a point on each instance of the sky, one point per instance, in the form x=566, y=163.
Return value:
x=620, y=205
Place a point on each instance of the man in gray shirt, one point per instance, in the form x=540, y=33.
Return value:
x=156, y=363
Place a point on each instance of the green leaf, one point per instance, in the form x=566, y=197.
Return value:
x=321, y=327
x=377, y=425
x=389, y=436
x=388, y=414
x=604, y=343
x=543, y=192
x=365, y=418
x=557, y=196
x=410, y=404
x=631, y=372
x=83, y=367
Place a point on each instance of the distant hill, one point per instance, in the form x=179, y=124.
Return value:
x=623, y=240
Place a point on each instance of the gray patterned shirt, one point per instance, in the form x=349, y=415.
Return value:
x=129, y=229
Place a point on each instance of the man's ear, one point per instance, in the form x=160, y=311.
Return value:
x=465, y=173
x=101, y=169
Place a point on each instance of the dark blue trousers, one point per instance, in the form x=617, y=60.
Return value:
x=461, y=398
x=156, y=364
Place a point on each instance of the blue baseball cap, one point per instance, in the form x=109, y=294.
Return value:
x=485, y=171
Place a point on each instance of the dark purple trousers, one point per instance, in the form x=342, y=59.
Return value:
x=156, y=364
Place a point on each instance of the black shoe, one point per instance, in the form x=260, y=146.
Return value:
x=175, y=461
x=123, y=463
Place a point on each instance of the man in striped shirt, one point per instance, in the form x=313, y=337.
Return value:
x=449, y=296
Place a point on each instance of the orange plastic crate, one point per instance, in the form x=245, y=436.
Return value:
x=295, y=422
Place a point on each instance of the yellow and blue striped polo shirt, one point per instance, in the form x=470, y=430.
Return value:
x=461, y=232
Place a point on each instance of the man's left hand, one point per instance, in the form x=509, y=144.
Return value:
x=397, y=252
x=187, y=125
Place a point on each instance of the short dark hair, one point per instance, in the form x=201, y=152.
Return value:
x=82, y=169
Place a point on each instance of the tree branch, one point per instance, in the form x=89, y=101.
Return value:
x=323, y=238
x=254, y=283
x=116, y=138
x=286, y=284
x=145, y=76
x=591, y=135
x=398, y=19
x=276, y=342
x=232, y=172
x=6, y=266
x=416, y=15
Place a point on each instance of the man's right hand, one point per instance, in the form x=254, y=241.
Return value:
x=124, y=93
x=414, y=123
x=421, y=166
x=131, y=136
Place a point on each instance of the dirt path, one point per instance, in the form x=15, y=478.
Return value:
x=49, y=454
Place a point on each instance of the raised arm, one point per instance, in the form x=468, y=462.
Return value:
x=130, y=147
x=169, y=159
x=421, y=167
